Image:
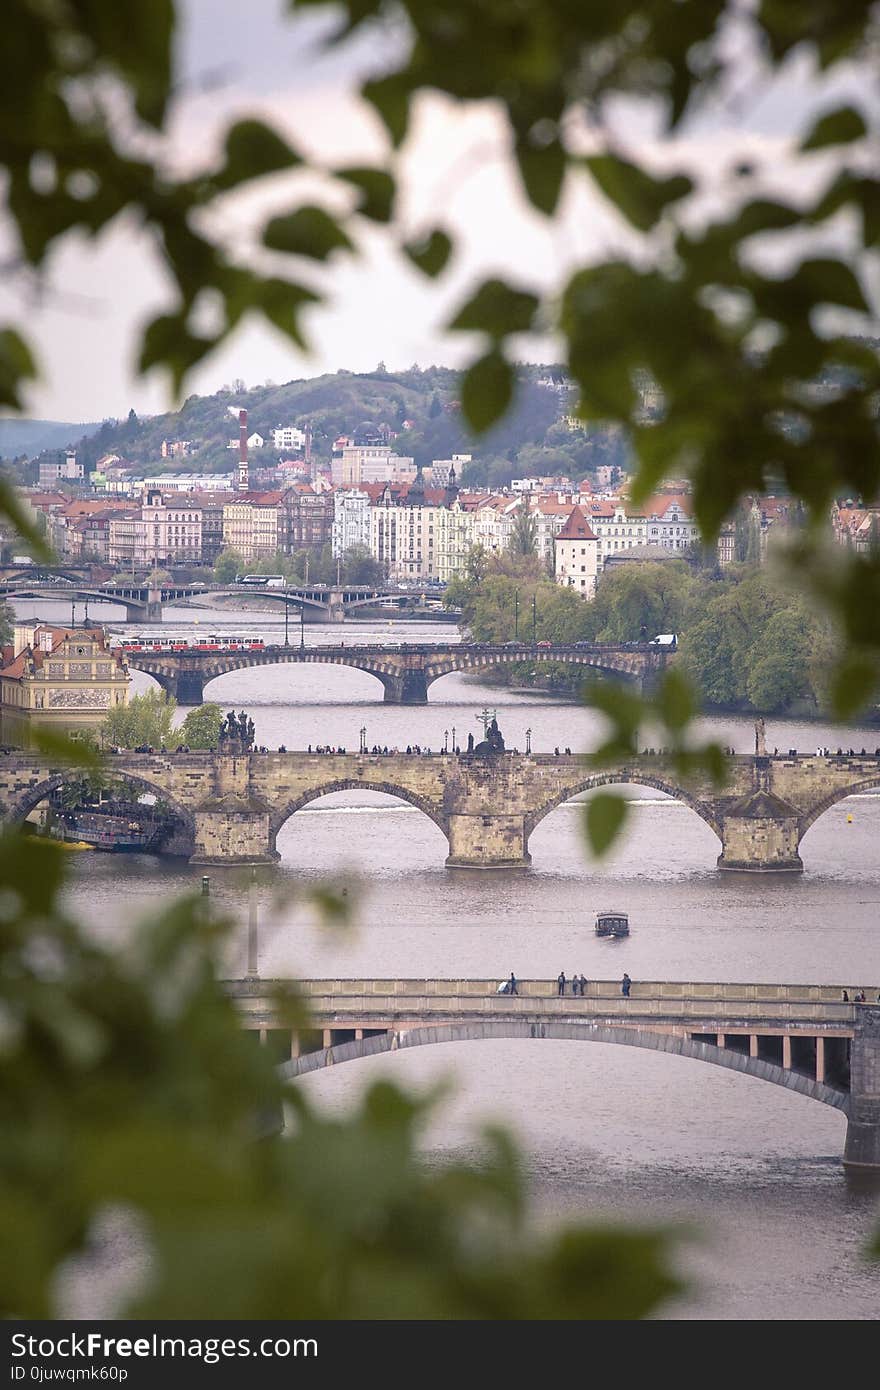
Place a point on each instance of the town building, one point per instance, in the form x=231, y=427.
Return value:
x=162, y=531
x=250, y=525
x=577, y=555
x=60, y=467
x=351, y=520
x=289, y=437
x=65, y=679
x=305, y=518
x=371, y=463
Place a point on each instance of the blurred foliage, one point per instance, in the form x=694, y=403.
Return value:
x=127, y=1082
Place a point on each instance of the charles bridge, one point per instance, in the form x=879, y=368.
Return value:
x=405, y=670
x=806, y=1038
x=231, y=804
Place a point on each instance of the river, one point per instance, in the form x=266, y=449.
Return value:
x=774, y=1228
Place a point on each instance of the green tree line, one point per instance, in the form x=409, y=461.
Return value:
x=745, y=639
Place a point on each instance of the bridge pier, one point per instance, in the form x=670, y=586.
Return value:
x=409, y=688
x=189, y=688
x=862, y=1147
x=760, y=833
x=487, y=842
x=233, y=831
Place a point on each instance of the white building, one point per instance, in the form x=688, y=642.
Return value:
x=577, y=555
x=351, y=520
x=288, y=437
x=188, y=482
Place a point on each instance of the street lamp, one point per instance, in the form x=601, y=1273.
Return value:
x=453, y=738
x=363, y=738
x=534, y=620
x=516, y=615
x=302, y=626
x=286, y=621
x=528, y=740
x=445, y=740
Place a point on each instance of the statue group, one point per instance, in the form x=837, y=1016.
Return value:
x=493, y=742
x=238, y=729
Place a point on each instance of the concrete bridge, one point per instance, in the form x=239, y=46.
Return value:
x=143, y=602
x=232, y=804
x=405, y=671
x=802, y=1037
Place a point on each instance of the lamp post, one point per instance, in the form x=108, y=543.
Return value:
x=528, y=740
x=534, y=620
x=363, y=732
x=252, y=943
x=516, y=615
x=453, y=738
x=286, y=621
x=302, y=626
x=445, y=740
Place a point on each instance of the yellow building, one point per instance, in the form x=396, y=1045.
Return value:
x=250, y=526
x=58, y=678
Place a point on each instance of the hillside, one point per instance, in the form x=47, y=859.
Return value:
x=31, y=437
x=532, y=436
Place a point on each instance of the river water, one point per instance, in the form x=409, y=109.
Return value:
x=771, y=1226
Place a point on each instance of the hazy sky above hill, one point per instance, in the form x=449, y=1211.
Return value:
x=236, y=58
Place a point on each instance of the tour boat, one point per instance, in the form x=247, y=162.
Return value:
x=612, y=924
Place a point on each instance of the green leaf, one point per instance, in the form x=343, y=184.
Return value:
x=641, y=198
x=253, y=150
x=606, y=814
x=497, y=309
x=836, y=128
x=310, y=231
x=431, y=253
x=390, y=96
x=542, y=171
x=377, y=189
x=675, y=700
x=831, y=282
x=487, y=390
x=854, y=685
x=167, y=342
x=16, y=365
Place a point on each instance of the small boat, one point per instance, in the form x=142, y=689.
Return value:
x=72, y=844
x=612, y=924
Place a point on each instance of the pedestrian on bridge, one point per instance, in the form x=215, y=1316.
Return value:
x=511, y=984
x=560, y=982
x=625, y=985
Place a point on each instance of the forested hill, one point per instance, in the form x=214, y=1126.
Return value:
x=532, y=438
x=29, y=437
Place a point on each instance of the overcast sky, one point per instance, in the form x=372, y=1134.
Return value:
x=235, y=58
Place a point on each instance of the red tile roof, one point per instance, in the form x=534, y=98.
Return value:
x=577, y=528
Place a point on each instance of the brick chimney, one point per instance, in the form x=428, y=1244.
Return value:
x=243, y=478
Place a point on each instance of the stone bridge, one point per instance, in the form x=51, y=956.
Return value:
x=405, y=671
x=232, y=804
x=802, y=1037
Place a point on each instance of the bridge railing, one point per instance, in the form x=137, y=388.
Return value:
x=663, y=992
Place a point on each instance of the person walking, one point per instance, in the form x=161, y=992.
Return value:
x=584, y=983
x=560, y=982
x=511, y=984
x=625, y=985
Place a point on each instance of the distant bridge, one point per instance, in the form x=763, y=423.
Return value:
x=144, y=603
x=405, y=670
x=802, y=1037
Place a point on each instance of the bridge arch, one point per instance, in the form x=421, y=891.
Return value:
x=621, y=778
x=32, y=796
x=281, y=814
x=247, y=661
x=476, y=1031
x=810, y=817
